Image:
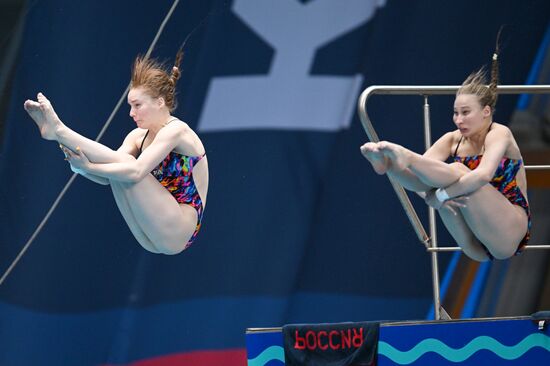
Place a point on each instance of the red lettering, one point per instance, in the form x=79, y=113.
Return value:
x=319, y=342
x=346, y=338
x=311, y=340
x=349, y=338
x=300, y=342
x=333, y=345
x=357, y=339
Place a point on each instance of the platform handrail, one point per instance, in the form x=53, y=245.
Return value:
x=430, y=241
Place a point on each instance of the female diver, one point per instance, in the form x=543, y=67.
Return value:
x=158, y=176
x=481, y=195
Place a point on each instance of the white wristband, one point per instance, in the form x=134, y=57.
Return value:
x=441, y=195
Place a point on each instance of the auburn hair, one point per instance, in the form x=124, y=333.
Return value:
x=152, y=76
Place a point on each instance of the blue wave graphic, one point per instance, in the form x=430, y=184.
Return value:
x=268, y=354
x=461, y=354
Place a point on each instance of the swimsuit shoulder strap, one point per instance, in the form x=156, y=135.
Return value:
x=457, y=145
x=143, y=141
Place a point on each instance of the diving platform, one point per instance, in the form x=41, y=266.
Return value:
x=510, y=341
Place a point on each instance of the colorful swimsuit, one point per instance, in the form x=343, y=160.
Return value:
x=504, y=180
x=175, y=173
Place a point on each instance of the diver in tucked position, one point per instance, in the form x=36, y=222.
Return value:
x=158, y=176
x=481, y=195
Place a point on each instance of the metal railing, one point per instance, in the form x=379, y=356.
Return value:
x=430, y=241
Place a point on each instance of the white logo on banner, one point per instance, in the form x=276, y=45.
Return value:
x=288, y=97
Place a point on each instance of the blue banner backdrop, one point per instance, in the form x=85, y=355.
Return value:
x=298, y=227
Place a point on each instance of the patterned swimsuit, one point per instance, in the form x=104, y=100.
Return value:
x=175, y=173
x=504, y=180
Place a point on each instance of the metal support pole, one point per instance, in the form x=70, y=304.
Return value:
x=432, y=220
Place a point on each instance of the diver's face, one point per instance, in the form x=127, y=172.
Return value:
x=468, y=115
x=144, y=109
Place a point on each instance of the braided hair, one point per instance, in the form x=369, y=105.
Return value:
x=476, y=83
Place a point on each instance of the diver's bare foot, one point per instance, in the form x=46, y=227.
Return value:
x=371, y=152
x=399, y=156
x=51, y=117
x=44, y=116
